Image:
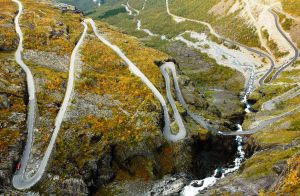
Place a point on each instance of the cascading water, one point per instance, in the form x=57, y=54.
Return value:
x=98, y=2
x=249, y=89
x=198, y=185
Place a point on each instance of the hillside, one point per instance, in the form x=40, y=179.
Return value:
x=149, y=97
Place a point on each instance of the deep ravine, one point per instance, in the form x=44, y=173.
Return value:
x=196, y=186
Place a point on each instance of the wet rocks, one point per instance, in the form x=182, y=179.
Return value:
x=169, y=185
x=197, y=184
x=105, y=172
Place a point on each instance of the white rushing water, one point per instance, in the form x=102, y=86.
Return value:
x=191, y=190
x=98, y=2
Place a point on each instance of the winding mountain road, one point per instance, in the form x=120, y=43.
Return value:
x=20, y=180
x=262, y=124
x=205, y=123
x=296, y=51
x=199, y=119
x=271, y=104
x=177, y=116
x=135, y=70
x=213, y=32
x=30, y=89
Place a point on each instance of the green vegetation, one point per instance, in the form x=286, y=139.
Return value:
x=155, y=16
x=188, y=37
x=275, y=139
x=12, y=82
x=261, y=163
x=291, y=77
x=184, y=8
x=130, y=102
x=48, y=29
x=268, y=92
x=85, y=6
x=215, y=76
x=271, y=138
x=238, y=31
x=136, y=4
x=154, y=13
x=111, y=13
x=10, y=129
x=122, y=20
x=8, y=37
x=273, y=46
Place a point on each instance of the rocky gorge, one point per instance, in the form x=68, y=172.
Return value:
x=111, y=140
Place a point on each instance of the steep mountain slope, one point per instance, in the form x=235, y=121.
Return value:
x=250, y=23
x=112, y=138
x=113, y=122
x=12, y=96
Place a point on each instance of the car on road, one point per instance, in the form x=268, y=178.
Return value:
x=18, y=166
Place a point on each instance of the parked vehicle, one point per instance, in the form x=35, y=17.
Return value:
x=18, y=166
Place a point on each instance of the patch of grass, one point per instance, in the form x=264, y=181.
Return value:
x=155, y=13
x=136, y=4
x=216, y=76
x=85, y=6
x=276, y=137
x=46, y=28
x=112, y=12
x=268, y=92
x=238, y=31
x=188, y=37
x=186, y=9
x=272, y=45
x=261, y=163
x=8, y=36
x=288, y=77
